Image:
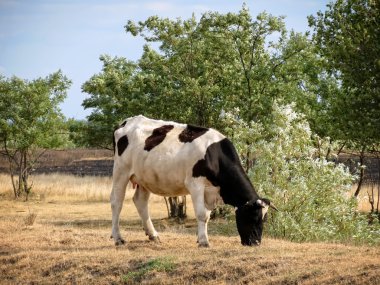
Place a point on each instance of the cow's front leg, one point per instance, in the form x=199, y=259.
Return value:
x=117, y=199
x=203, y=215
x=141, y=199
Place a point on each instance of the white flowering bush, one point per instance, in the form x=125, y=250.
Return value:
x=311, y=193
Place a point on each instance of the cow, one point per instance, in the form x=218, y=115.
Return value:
x=173, y=159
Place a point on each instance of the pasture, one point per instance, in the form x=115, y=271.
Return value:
x=62, y=236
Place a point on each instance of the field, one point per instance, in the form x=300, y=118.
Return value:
x=62, y=236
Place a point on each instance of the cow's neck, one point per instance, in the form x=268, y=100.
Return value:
x=236, y=188
x=221, y=166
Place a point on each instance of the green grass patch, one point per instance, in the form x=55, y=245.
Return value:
x=161, y=264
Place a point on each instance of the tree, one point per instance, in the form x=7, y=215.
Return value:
x=114, y=95
x=78, y=132
x=347, y=34
x=220, y=62
x=203, y=69
x=182, y=80
x=30, y=121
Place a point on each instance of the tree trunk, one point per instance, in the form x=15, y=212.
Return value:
x=25, y=175
x=177, y=207
x=361, y=177
x=11, y=170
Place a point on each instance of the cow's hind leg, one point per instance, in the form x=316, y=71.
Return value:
x=141, y=199
x=117, y=198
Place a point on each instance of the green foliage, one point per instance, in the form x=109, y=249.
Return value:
x=310, y=192
x=348, y=38
x=202, y=69
x=30, y=114
x=78, y=133
x=30, y=121
x=114, y=97
x=164, y=264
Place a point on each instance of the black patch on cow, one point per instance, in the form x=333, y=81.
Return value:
x=158, y=135
x=191, y=133
x=122, y=144
x=113, y=137
x=221, y=166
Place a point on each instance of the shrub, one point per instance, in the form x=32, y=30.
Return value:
x=310, y=192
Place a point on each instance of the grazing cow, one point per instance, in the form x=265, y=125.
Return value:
x=171, y=159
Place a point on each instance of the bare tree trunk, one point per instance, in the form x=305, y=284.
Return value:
x=25, y=175
x=177, y=207
x=11, y=170
x=20, y=170
x=378, y=190
x=361, y=176
x=341, y=148
x=11, y=160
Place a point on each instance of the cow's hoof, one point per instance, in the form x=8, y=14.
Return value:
x=155, y=239
x=204, y=245
x=120, y=241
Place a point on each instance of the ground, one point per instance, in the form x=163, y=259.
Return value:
x=65, y=239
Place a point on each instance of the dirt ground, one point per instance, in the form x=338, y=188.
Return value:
x=68, y=242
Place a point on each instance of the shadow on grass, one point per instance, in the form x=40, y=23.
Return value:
x=218, y=227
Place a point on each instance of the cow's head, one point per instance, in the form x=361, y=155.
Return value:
x=250, y=219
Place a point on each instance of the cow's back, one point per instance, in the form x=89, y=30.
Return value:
x=160, y=155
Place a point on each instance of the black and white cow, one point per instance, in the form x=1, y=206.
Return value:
x=171, y=159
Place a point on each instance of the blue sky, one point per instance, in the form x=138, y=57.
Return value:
x=38, y=37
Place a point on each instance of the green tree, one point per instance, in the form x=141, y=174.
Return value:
x=223, y=61
x=78, y=133
x=203, y=68
x=183, y=80
x=347, y=35
x=30, y=121
x=114, y=95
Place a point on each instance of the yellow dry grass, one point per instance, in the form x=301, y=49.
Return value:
x=69, y=243
x=367, y=193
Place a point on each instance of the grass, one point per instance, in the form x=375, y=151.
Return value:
x=367, y=193
x=68, y=243
x=163, y=264
x=51, y=187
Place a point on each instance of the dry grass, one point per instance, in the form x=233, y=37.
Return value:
x=52, y=187
x=69, y=243
x=367, y=193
